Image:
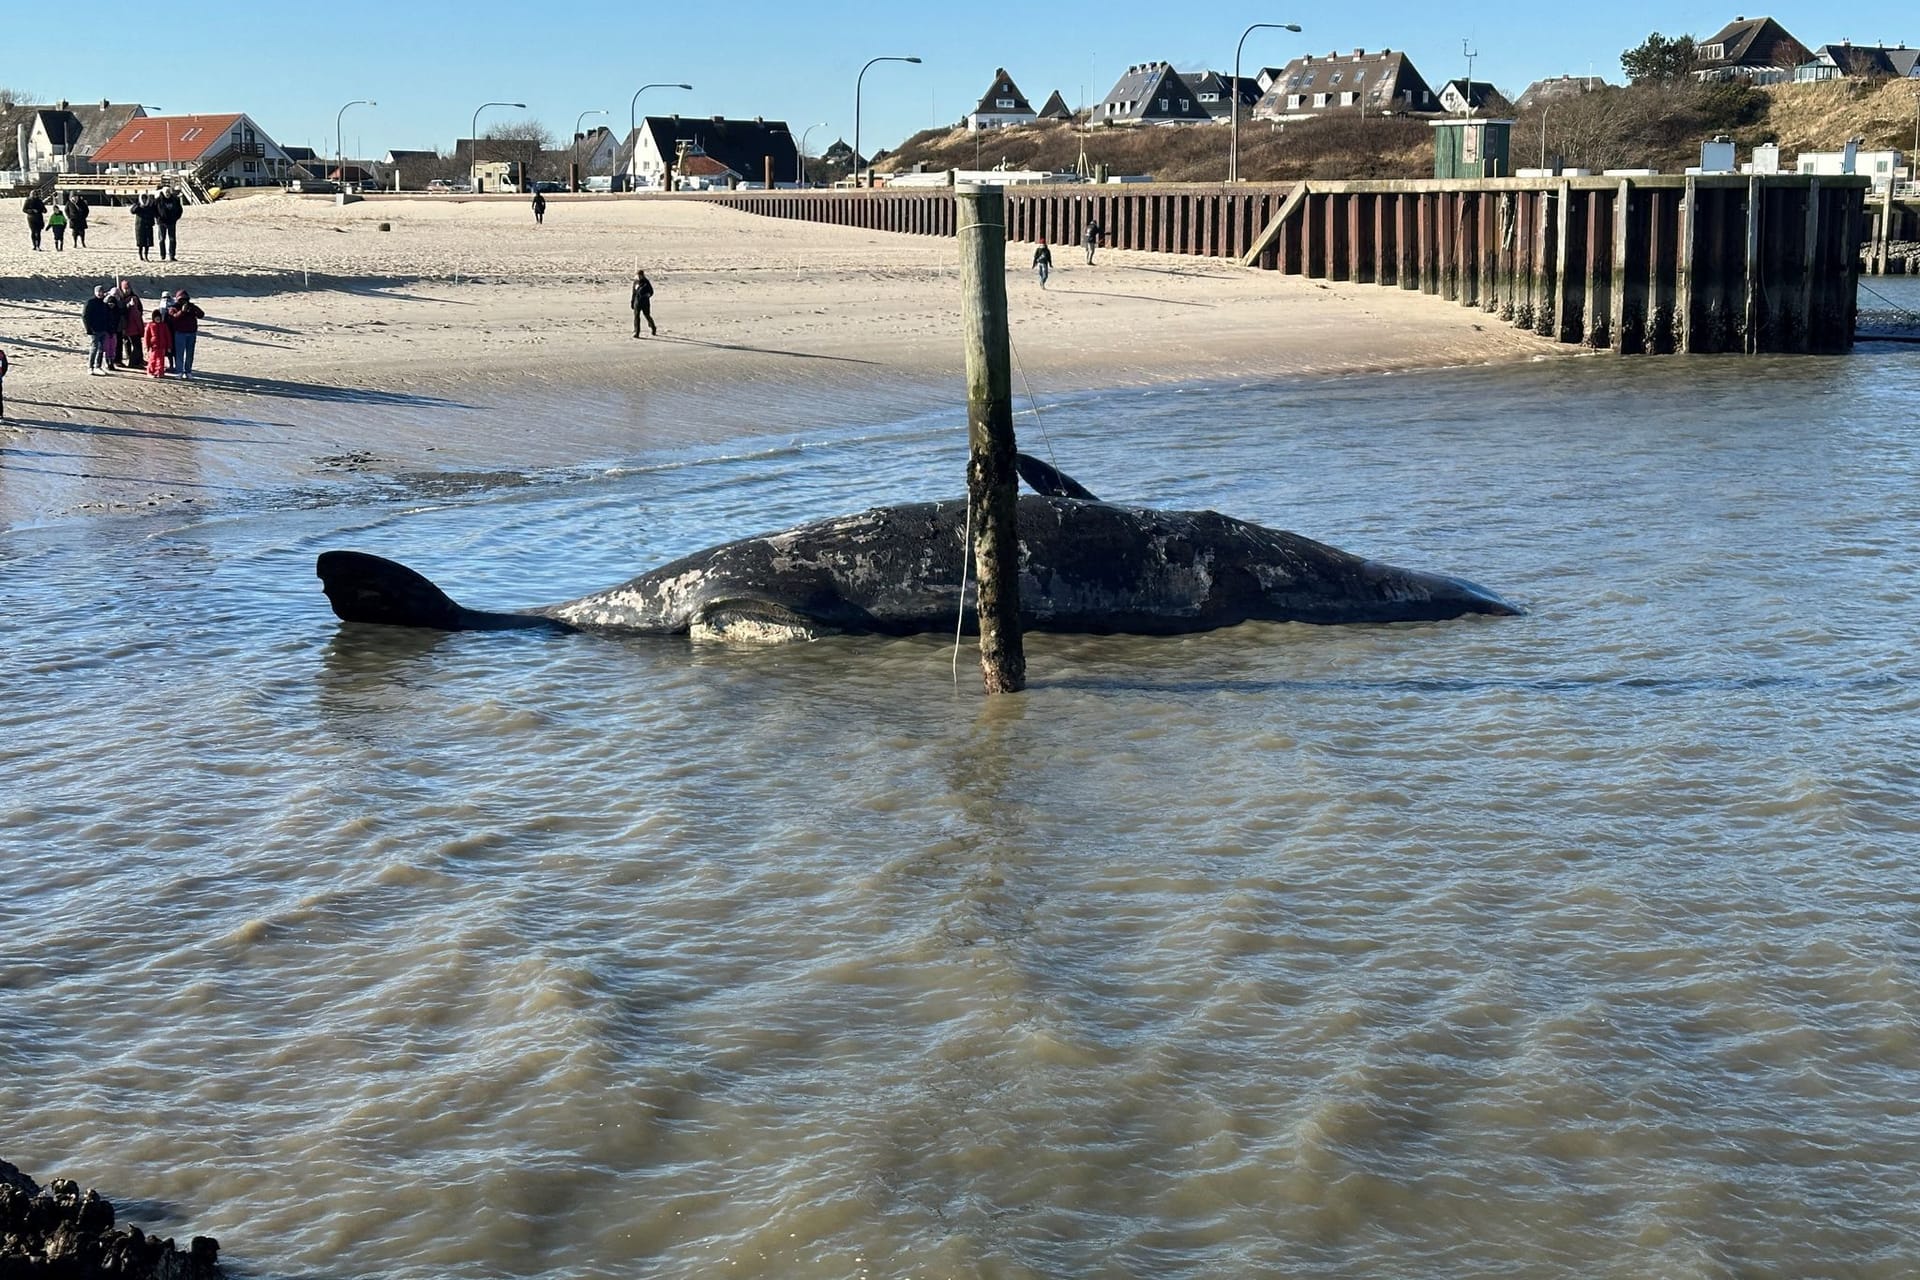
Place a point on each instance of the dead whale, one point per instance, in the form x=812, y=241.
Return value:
x=1086, y=566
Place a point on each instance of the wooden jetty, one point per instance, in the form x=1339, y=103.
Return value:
x=1633, y=265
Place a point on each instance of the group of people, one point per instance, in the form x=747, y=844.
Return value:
x=1043, y=256
x=120, y=327
x=68, y=214
x=156, y=216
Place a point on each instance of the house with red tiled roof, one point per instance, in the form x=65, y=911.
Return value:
x=221, y=150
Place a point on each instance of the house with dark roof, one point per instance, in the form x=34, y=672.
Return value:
x=222, y=150
x=1215, y=90
x=1465, y=98
x=1151, y=93
x=647, y=159
x=1056, y=108
x=65, y=138
x=1759, y=50
x=1557, y=89
x=409, y=170
x=1383, y=83
x=1848, y=61
x=1001, y=106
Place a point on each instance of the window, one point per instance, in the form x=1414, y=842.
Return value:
x=1186, y=104
x=1712, y=52
x=1005, y=104
x=1293, y=102
x=1348, y=99
x=1319, y=100
x=1209, y=97
x=1163, y=104
x=1360, y=76
x=1336, y=78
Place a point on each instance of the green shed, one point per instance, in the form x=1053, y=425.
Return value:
x=1468, y=148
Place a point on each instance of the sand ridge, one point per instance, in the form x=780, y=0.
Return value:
x=333, y=347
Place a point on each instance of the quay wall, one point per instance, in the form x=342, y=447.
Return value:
x=1634, y=265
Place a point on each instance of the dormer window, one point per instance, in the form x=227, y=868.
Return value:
x=1712, y=52
x=1005, y=104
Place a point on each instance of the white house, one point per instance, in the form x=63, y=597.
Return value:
x=225, y=150
x=64, y=138
x=1882, y=167
x=1001, y=106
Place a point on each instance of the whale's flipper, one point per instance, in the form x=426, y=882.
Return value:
x=1049, y=482
x=367, y=588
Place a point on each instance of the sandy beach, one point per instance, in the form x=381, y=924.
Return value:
x=334, y=349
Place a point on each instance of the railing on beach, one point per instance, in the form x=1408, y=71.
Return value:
x=1632, y=265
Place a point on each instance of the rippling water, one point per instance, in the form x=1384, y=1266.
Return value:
x=1582, y=944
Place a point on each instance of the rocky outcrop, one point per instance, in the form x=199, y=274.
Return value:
x=63, y=1233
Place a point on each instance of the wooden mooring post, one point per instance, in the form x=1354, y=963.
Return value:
x=992, y=482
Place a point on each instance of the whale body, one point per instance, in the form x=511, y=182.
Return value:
x=1085, y=567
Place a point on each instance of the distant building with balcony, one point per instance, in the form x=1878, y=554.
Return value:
x=222, y=150
x=1758, y=50
x=64, y=138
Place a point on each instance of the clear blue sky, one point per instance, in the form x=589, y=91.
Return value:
x=429, y=64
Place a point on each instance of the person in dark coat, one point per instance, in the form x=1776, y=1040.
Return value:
x=144, y=216
x=98, y=320
x=642, y=303
x=78, y=211
x=169, y=208
x=36, y=210
x=134, y=310
x=183, y=320
x=539, y=208
x=1043, y=263
x=116, y=325
x=1094, y=232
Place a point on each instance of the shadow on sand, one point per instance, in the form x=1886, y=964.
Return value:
x=765, y=351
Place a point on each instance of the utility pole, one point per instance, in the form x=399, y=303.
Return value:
x=992, y=484
x=1466, y=106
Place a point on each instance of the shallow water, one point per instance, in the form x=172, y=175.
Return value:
x=1580, y=944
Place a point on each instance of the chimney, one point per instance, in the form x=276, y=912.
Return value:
x=104, y=104
x=1359, y=53
x=719, y=119
x=64, y=105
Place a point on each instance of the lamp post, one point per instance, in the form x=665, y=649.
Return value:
x=1545, y=111
x=339, y=153
x=803, y=149
x=858, y=163
x=633, y=121
x=473, y=137
x=1233, y=154
x=592, y=111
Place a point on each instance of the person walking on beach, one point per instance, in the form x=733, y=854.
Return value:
x=3, y=386
x=1093, y=238
x=539, y=208
x=159, y=342
x=1043, y=262
x=98, y=319
x=642, y=303
x=183, y=318
x=168, y=209
x=134, y=312
x=57, y=223
x=36, y=210
x=144, y=216
x=78, y=211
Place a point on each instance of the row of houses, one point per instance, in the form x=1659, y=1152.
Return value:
x=1386, y=82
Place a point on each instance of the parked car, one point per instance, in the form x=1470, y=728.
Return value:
x=549, y=186
x=440, y=185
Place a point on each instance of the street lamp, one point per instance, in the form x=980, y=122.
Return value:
x=803, y=149
x=473, y=137
x=339, y=153
x=1233, y=155
x=1545, y=111
x=593, y=111
x=633, y=123
x=857, y=165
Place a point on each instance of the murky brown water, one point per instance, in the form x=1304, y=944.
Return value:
x=1582, y=944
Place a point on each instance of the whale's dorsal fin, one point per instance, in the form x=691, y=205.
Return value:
x=368, y=588
x=1048, y=481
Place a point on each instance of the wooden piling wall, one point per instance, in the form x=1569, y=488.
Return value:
x=1633, y=265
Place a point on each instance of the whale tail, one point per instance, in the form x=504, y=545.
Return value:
x=1048, y=481
x=368, y=588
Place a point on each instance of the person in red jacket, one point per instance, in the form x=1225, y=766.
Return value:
x=130, y=355
x=159, y=342
x=183, y=318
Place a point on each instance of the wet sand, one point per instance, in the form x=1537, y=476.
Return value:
x=334, y=347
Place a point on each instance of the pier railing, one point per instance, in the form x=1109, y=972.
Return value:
x=1633, y=265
